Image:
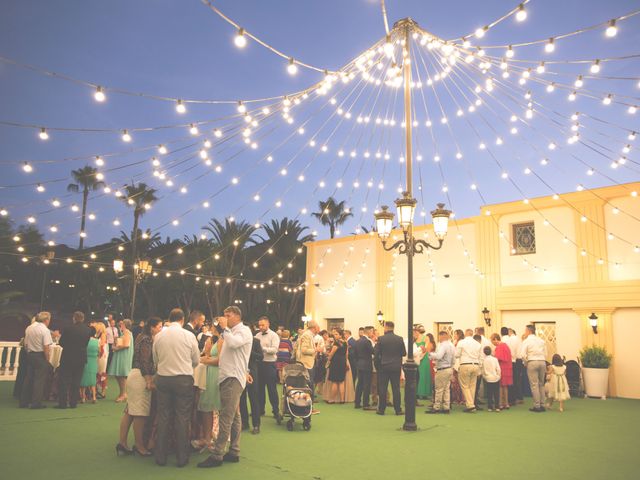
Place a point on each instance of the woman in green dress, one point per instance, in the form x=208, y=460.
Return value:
x=210, y=398
x=120, y=366
x=424, y=370
x=90, y=371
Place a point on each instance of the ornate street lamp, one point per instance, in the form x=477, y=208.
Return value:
x=406, y=206
x=118, y=266
x=380, y=318
x=141, y=269
x=486, y=314
x=593, y=321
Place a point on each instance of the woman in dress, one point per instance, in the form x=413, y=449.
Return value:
x=456, y=391
x=209, y=401
x=120, y=366
x=103, y=356
x=424, y=381
x=284, y=352
x=503, y=354
x=337, y=373
x=88, y=380
x=139, y=384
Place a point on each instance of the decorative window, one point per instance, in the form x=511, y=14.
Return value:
x=524, y=238
x=444, y=327
x=547, y=332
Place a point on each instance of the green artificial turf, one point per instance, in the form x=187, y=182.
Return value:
x=592, y=439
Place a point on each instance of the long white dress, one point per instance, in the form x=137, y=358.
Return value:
x=557, y=386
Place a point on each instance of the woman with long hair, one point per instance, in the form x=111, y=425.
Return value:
x=103, y=357
x=209, y=401
x=139, y=384
x=120, y=366
x=336, y=376
x=89, y=374
x=456, y=391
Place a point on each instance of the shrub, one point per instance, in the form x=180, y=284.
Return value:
x=595, y=357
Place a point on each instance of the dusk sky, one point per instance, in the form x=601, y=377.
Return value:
x=183, y=50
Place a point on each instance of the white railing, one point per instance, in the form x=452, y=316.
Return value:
x=9, y=360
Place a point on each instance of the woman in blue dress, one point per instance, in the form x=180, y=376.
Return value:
x=120, y=366
x=90, y=371
x=209, y=401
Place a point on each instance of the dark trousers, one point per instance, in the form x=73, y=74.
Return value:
x=175, y=405
x=251, y=391
x=69, y=384
x=110, y=357
x=384, y=377
x=354, y=371
x=312, y=385
x=515, y=392
x=493, y=394
x=268, y=377
x=38, y=369
x=477, y=397
x=363, y=387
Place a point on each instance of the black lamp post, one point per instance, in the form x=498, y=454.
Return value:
x=486, y=314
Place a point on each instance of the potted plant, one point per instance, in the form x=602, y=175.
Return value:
x=595, y=370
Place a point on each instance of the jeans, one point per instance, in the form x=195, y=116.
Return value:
x=363, y=388
x=493, y=395
x=230, y=423
x=268, y=377
x=536, y=371
x=384, y=377
x=175, y=405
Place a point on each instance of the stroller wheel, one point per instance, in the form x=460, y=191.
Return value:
x=306, y=426
x=290, y=425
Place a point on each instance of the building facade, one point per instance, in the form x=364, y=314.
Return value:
x=552, y=261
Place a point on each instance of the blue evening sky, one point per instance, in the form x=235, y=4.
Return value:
x=181, y=49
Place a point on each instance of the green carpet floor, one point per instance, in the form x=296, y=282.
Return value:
x=592, y=439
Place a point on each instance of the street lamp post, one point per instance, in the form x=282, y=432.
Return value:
x=141, y=269
x=409, y=245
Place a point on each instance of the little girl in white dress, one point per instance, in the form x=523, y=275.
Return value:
x=557, y=386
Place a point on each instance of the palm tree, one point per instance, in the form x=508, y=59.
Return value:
x=332, y=214
x=87, y=181
x=140, y=197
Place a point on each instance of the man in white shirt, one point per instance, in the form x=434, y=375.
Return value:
x=534, y=355
x=267, y=372
x=232, y=378
x=468, y=351
x=112, y=336
x=37, y=342
x=175, y=354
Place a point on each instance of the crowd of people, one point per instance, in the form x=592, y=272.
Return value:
x=191, y=385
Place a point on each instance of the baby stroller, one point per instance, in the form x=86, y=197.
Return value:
x=574, y=378
x=296, y=396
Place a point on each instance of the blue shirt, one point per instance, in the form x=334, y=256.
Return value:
x=444, y=355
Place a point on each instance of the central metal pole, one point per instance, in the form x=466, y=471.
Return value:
x=410, y=367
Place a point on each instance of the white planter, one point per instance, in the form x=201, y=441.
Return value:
x=596, y=382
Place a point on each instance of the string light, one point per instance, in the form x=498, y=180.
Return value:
x=521, y=14
x=240, y=40
x=292, y=68
x=99, y=95
x=595, y=67
x=27, y=167
x=550, y=46
x=126, y=137
x=43, y=134
x=612, y=29
x=181, y=107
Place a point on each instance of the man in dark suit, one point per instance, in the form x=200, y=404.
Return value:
x=251, y=390
x=388, y=354
x=351, y=342
x=73, y=341
x=364, y=364
x=196, y=320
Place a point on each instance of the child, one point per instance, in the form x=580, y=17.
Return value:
x=491, y=375
x=557, y=386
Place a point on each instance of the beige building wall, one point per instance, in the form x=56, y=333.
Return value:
x=483, y=272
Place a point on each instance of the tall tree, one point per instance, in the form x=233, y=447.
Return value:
x=140, y=197
x=332, y=214
x=85, y=181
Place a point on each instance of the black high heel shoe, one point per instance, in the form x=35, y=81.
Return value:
x=135, y=451
x=121, y=449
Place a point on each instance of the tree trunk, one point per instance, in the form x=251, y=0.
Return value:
x=134, y=251
x=85, y=197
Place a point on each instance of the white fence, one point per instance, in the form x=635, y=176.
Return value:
x=9, y=360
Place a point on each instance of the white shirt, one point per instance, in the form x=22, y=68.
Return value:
x=468, y=350
x=533, y=348
x=175, y=351
x=491, y=369
x=318, y=341
x=514, y=343
x=36, y=337
x=112, y=334
x=234, y=359
x=270, y=343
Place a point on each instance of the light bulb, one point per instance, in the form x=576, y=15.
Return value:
x=572, y=96
x=240, y=40
x=126, y=137
x=99, y=94
x=180, y=107
x=388, y=47
x=40, y=188
x=4, y=212
x=595, y=67
x=27, y=167
x=43, y=134
x=540, y=68
x=509, y=53
x=162, y=150
x=632, y=109
x=99, y=176
x=521, y=14
x=551, y=87
x=481, y=31
x=611, y=30
x=99, y=161
x=579, y=82
x=292, y=68
x=241, y=107
x=193, y=130
x=217, y=133
x=607, y=100
x=550, y=46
